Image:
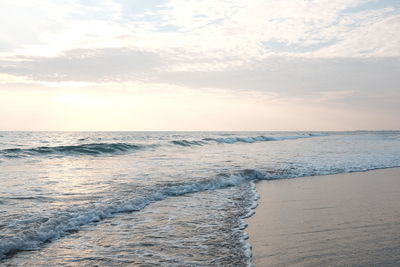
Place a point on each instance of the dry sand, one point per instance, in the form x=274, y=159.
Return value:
x=336, y=220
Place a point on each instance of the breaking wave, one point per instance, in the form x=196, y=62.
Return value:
x=62, y=223
x=232, y=140
x=84, y=149
x=98, y=149
x=187, y=143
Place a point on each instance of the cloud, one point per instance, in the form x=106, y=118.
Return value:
x=94, y=65
x=212, y=29
x=377, y=38
x=289, y=47
x=296, y=76
x=269, y=58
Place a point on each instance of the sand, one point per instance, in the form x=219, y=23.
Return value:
x=336, y=220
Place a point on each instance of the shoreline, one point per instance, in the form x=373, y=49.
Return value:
x=339, y=219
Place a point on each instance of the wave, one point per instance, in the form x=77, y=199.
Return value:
x=261, y=138
x=187, y=143
x=97, y=149
x=84, y=149
x=232, y=140
x=317, y=134
x=64, y=222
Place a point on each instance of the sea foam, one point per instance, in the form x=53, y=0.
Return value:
x=64, y=222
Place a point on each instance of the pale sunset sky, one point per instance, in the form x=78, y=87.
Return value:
x=199, y=64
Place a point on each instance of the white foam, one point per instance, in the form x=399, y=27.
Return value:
x=232, y=140
x=65, y=222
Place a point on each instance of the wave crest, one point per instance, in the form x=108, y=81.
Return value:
x=97, y=149
x=64, y=222
x=84, y=149
x=232, y=140
x=261, y=138
x=187, y=143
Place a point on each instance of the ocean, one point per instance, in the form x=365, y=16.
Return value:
x=156, y=198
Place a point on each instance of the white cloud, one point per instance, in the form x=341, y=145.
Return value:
x=377, y=38
x=287, y=63
x=47, y=28
x=240, y=30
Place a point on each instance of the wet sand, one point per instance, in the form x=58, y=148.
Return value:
x=336, y=220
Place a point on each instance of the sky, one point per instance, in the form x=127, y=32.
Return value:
x=243, y=65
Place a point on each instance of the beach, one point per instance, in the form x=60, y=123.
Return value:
x=350, y=219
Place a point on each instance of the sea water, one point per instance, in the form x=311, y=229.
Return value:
x=156, y=198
